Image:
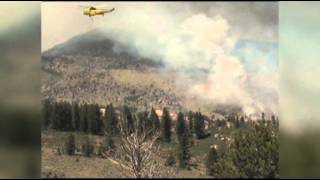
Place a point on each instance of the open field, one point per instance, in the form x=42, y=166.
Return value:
x=98, y=167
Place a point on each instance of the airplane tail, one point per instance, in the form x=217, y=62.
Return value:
x=111, y=10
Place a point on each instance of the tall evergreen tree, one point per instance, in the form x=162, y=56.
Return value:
x=98, y=123
x=68, y=109
x=71, y=144
x=83, y=126
x=263, y=118
x=273, y=120
x=111, y=120
x=90, y=118
x=59, y=116
x=154, y=119
x=145, y=121
x=148, y=122
x=212, y=159
x=54, y=117
x=75, y=117
x=166, y=126
x=256, y=152
x=221, y=166
x=128, y=118
x=93, y=115
x=199, y=125
x=46, y=112
x=142, y=122
x=184, y=150
x=242, y=120
x=237, y=123
x=65, y=116
x=180, y=125
x=191, y=121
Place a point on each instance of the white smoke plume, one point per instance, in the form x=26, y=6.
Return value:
x=180, y=41
x=193, y=37
x=185, y=40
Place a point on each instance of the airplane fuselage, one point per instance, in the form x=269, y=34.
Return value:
x=95, y=12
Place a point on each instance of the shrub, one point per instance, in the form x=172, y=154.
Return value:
x=87, y=147
x=171, y=160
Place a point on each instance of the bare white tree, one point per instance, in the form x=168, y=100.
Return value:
x=139, y=152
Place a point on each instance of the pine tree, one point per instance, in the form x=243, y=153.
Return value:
x=90, y=118
x=57, y=116
x=54, y=117
x=273, y=120
x=221, y=166
x=75, y=117
x=212, y=159
x=154, y=119
x=145, y=121
x=181, y=125
x=71, y=144
x=199, y=125
x=111, y=121
x=98, y=120
x=68, y=111
x=46, y=112
x=166, y=126
x=256, y=152
x=128, y=119
x=141, y=119
x=237, y=123
x=263, y=118
x=93, y=115
x=184, y=150
x=64, y=116
x=242, y=120
x=191, y=121
x=83, y=118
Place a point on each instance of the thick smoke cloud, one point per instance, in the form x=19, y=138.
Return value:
x=195, y=39
x=249, y=20
x=225, y=40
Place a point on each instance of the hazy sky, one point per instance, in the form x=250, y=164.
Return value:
x=63, y=20
x=19, y=54
x=15, y=12
x=299, y=37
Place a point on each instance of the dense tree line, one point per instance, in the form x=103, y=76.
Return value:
x=87, y=118
x=253, y=152
x=66, y=116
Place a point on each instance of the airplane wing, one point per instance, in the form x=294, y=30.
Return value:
x=84, y=6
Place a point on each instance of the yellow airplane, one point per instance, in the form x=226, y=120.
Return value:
x=94, y=11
